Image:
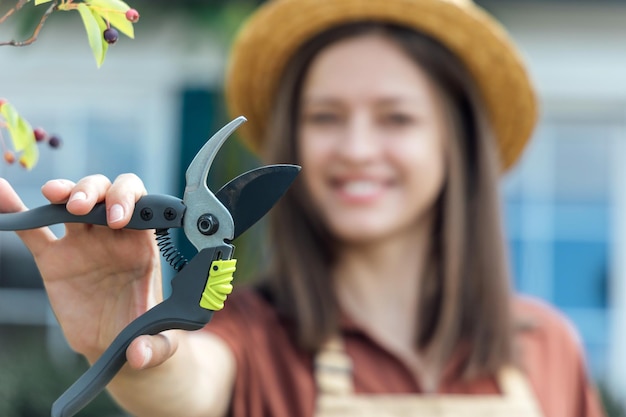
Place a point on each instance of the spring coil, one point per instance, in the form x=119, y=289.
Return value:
x=169, y=251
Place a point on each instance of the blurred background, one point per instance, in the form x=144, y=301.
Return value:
x=157, y=98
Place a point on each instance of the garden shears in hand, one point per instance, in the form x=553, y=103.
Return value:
x=200, y=287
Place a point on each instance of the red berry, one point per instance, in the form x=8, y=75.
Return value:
x=111, y=35
x=9, y=157
x=40, y=134
x=54, y=141
x=2, y=101
x=132, y=15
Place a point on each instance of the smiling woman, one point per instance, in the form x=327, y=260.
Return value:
x=386, y=133
x=391, y=242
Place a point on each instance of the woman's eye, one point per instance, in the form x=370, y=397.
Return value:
x=397, y=119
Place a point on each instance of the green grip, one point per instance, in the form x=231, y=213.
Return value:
x=219, y=284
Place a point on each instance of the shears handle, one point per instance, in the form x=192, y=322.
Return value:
x=152, y=211
x=182, y=310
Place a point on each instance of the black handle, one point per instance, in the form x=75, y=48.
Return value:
x=96, y=378
x=152, y=211
x=180, y=311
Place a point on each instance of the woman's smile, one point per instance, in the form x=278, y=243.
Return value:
x=360, y=190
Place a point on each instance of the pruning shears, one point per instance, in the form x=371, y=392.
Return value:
x=200, y=287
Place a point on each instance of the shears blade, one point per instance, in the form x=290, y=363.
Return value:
x=198, y=198
x=252, y=194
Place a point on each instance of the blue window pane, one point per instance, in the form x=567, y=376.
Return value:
x=580, y=273
x=582, y=221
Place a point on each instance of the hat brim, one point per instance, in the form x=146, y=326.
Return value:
x=272, y=35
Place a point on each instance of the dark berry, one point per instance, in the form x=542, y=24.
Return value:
x=111, y=35
x=9, y=157
x=132, y=15
x=54, y=142
x=40, y=134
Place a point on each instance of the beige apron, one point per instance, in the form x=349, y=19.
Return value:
x=333, y=375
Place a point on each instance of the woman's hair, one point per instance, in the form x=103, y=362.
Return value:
x=465, y=295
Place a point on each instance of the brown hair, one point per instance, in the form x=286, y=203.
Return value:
x=465, y=297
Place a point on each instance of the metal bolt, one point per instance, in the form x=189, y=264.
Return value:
x=208, y=224
x=146, y=214
x=169, y=213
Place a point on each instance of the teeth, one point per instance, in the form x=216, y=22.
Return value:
x=360, y=188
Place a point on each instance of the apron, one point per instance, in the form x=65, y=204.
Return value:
x=333, y=376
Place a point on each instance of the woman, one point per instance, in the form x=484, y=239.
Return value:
x=388, y=291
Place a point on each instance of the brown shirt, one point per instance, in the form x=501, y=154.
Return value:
x=275, y=379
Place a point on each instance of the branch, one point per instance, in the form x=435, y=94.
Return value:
x=13, y=9
x=33, y=37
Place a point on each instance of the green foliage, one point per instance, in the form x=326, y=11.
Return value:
x=31, y=380
x=219, y=17
x=21, y=134
x=98, y=15
x=225, y=18
x=93, y=24
x=113, y=11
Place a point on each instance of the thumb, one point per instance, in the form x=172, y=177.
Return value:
x=149, y=351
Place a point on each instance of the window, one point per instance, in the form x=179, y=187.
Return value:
x=559, y=204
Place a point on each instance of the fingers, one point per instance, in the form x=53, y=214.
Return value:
x=36, y=240
x=80, y=198
x=57, y=191
x=86, y=193
x=150, y=351
x=121, y=198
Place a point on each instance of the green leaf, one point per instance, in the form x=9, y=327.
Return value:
x=30, y=157
x=94, y=34
x=121, y=23
x=9, y=113
x=115, y=12
x=21, y=134
x=102, y=25
x=113, y=5
x=38, y=2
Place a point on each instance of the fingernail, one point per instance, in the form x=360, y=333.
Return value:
x=79, y=195
x=116, y=213
x=147, y=355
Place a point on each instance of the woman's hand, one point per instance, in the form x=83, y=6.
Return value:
x=98, y=278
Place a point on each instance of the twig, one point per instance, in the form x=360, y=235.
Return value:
x=13, y=9
x=33, y=37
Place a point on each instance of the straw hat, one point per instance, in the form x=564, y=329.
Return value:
x=272, y=35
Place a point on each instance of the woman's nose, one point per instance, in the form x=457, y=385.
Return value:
x=359, y=140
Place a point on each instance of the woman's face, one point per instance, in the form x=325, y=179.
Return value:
x=371, y=139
